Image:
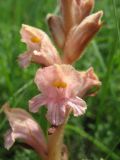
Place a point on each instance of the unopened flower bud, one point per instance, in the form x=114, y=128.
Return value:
x=57, y=29
x=80, y=36
x=82, y=9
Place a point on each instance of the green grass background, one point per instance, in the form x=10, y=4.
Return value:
x=94, y=136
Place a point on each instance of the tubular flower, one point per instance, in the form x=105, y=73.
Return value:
x=24, y=128
x=80, y=36
x=90, y=80
x=74, y=29
x=82, y=9
x=39, y=48
x=73, y=11
x=57, y=29
x=60, y=85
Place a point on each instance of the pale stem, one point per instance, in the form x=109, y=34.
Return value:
x=55, y=141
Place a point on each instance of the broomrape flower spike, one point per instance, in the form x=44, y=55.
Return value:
x=62, y=87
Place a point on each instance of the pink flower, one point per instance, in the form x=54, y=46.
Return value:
x=39, y=48
x=24, y=128
x=89, y=80
x=60, y=85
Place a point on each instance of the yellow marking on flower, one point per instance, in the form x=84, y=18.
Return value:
x=59, y=84
x=35, y=39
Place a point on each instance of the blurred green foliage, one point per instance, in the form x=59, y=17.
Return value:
x=96, y=135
